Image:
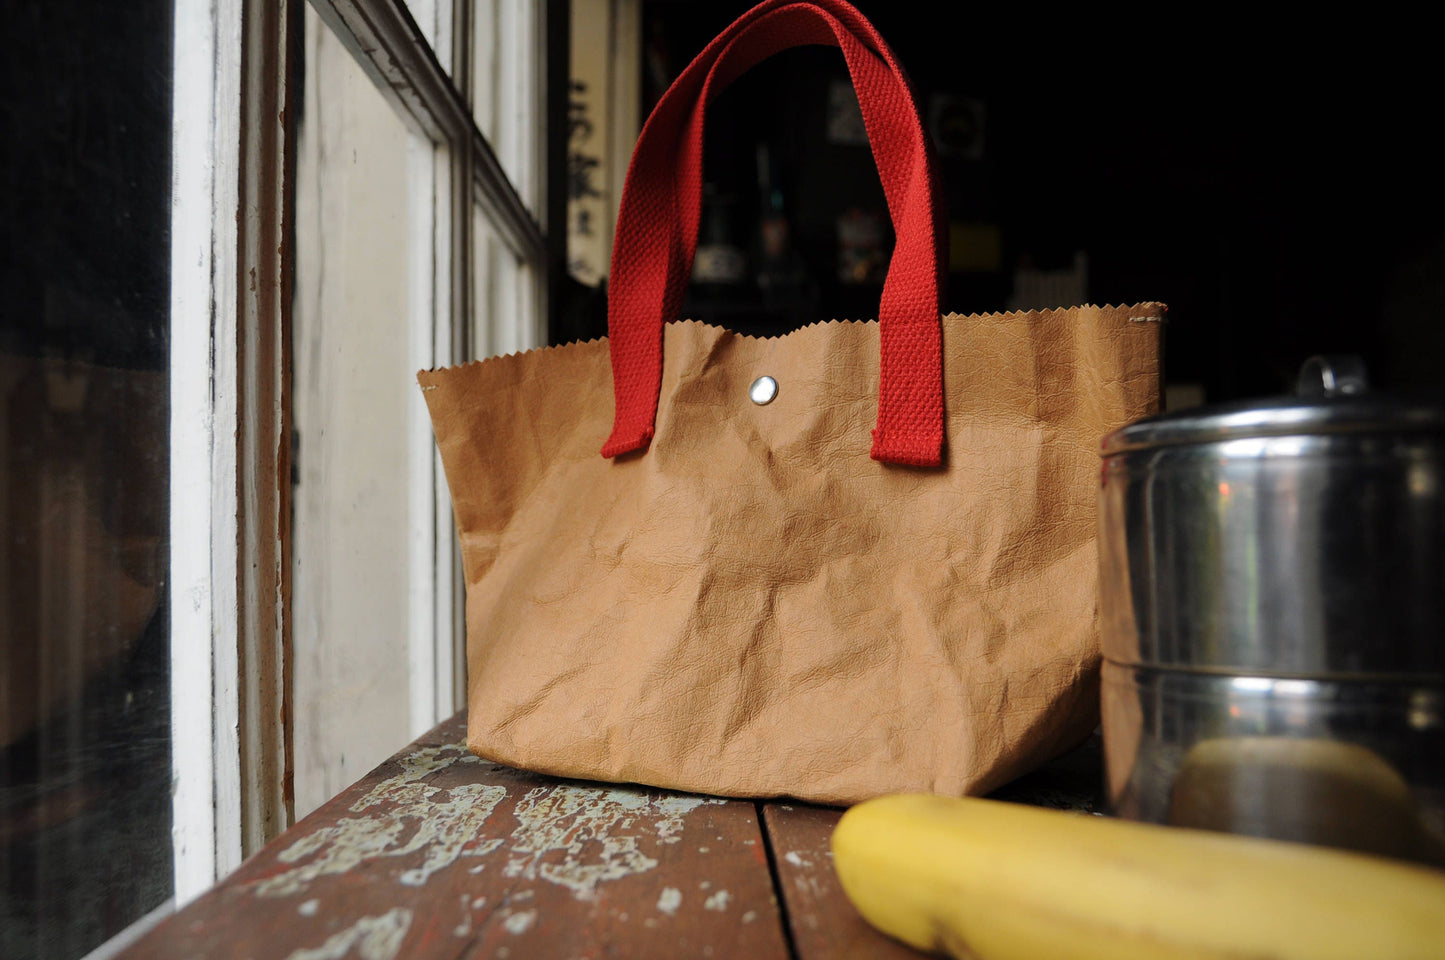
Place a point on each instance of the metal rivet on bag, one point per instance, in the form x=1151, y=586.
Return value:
x=763, y=390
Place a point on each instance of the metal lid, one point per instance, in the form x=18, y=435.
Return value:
x=1332, y=396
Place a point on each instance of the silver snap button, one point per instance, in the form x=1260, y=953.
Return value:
x=763, y=390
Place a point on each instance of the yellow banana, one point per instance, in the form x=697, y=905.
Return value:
x=1000, y=881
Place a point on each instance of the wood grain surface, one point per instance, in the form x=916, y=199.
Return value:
x=438, y=854
x=823, y=924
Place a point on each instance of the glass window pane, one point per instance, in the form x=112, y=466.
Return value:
x=85, y=757
x=506, y=308
x=508, y=59
x=354, y=378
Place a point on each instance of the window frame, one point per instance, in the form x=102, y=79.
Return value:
x=234, y=160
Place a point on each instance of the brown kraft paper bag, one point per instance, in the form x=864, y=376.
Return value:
x=764, y=599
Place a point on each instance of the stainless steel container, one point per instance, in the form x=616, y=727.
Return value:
x=1273, y=605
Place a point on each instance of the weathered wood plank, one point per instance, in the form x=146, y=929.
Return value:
x=438, y=854
x=823, y=923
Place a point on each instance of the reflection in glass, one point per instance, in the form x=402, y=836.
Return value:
x=85, y=757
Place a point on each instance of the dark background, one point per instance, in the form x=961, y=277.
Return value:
x=1271, y=180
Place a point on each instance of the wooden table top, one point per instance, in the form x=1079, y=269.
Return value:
x=439, y=854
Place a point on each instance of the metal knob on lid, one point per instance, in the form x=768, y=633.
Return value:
x=1339, y=375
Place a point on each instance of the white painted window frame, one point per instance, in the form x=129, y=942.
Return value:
x=230, y=358
x=205, y=196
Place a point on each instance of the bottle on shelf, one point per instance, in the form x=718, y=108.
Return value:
x=781, y=277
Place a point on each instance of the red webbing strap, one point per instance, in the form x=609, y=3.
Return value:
x=657, y=226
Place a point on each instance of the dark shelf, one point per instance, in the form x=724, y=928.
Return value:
x=1278, y=195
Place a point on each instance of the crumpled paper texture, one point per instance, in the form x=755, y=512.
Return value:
x=754, y=607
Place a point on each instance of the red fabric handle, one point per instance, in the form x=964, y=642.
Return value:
x=657, y=226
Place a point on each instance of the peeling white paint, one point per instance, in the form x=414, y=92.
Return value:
x=583, y=825
x=670, y=900
x=519, y=923
x=571, y=835
x=673, y=809
x=465, y=927
x=750, y=916
x=718, y=901
x=373, y=938
x=446, y=820
x=309, y=908
x=796, y=859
